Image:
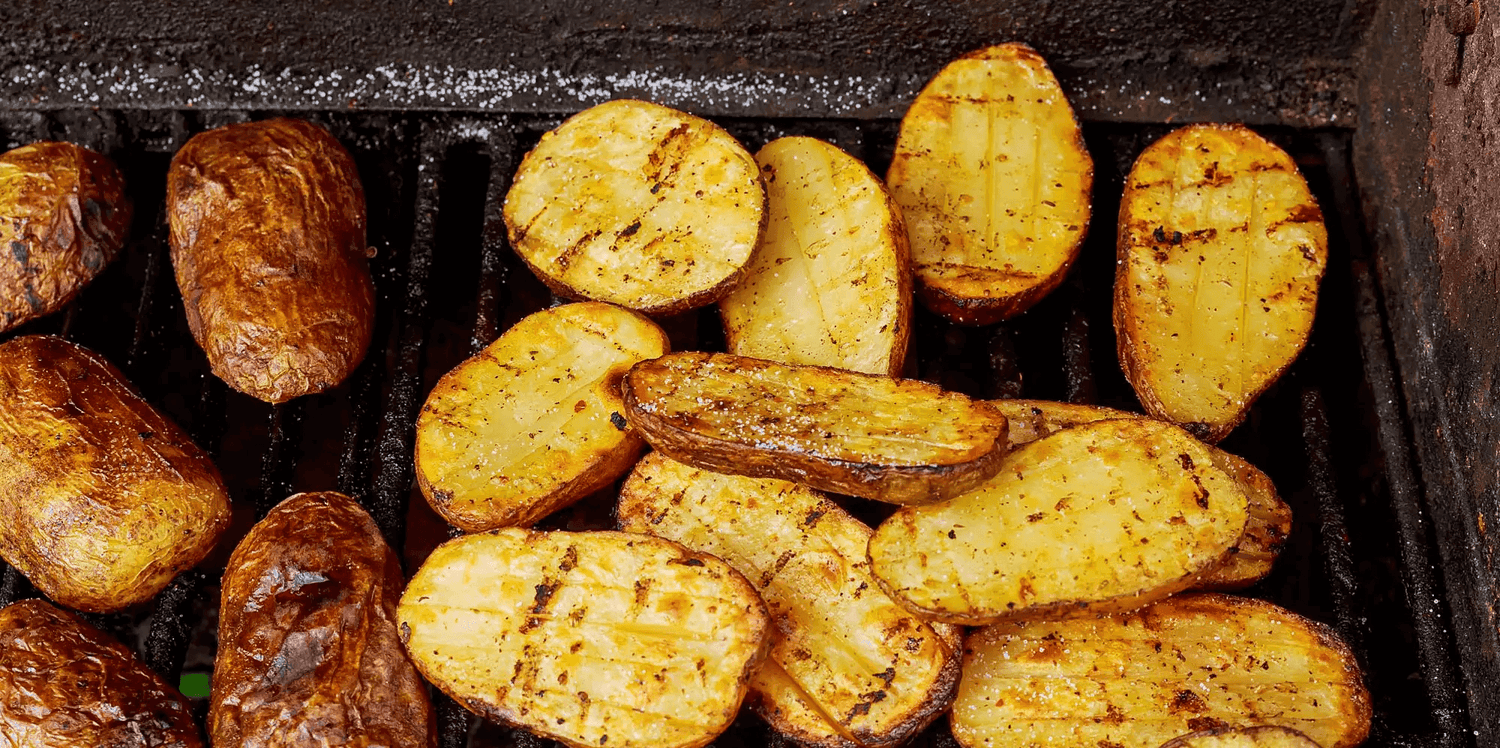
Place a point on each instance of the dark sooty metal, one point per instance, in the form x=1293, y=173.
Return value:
x=1331, y=435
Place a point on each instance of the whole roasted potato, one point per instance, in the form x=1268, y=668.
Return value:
x=64, y=683
x=102, y=499
x=308, y=649
x=268, y=243
x=63, y=217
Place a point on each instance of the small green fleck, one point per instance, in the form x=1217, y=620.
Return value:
x=194, y=685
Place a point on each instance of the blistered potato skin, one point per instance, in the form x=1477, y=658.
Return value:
x=268, y=245
x=1188, y=663
x=1221, y=248
x=592, y=638
x=309, y=654
x=876, y=673
x=63, y=218
x=639, y=205
x=830, y=283
x=899, y=441
x=995, y=182
x=66, y=684
x=534, y=421
x=1270, y=522
x=1261, y=736
x=102, y=499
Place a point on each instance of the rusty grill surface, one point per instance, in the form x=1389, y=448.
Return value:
x=1330, y=434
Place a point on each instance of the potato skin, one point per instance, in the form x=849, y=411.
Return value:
x=63, y=218
x=309, y=654
x=268, y=243
x=102, y=499
x=64, y=683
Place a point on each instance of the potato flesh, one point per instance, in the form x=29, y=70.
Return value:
x=1101, y=517
x=1263, y=736
x=1135, y=681
x=589, y=638
x=639, y=205
x=872, y=671
x=1221, y=250
x=829, y=284
x=1270, y=517
x=528, y=425
x=993, y=178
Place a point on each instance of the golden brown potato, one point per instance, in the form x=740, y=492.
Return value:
x=1221, y=249
x=1264, y=736
x=1191, y=662
x=847, y=663
x=994, y=179
x=901, y=441
x=830, y=284
x=1099, y=518
x=63, y=217
x=534, y=421
x=309, y=654
x=102, y=499
x=639, y=205
x=1270, y=522
x=594, y=639
x=66, y=684
x=268, y=243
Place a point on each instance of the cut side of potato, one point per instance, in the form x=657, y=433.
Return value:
x=1100, y=518
x=639, y=205
x=1270, y=522
x=900, y=441
x=1264, y=736
x=995, y=182
x=847, y=663
x=830, y=284
x=1189, y=663
x=1221, y=250
x=594, y=639
x=534, y=421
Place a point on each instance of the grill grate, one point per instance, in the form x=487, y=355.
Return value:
x=1331, y=434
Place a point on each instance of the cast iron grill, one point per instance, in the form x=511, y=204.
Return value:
x=1330, y=434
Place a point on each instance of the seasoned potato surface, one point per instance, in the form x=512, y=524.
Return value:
x=1264, y=736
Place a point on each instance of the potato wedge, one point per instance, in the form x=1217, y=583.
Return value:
x=1263, y=736
x=600, y=638
x=63, y=217
x=830, y=284
x=1221, y=249
x=534, y=421
x=995, y=182
x=844, y=653
x=103, y=500
x=1270, y=522
x=1192, y=662
x=1100, y=518
x=64, y=683
x=900, y=441
x=639, y=205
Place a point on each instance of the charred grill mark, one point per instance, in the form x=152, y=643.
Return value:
x=617, y=420
x=642, y=591
x=666, y=158
x=32, y=300
x=781, y=562
x=866, y=701
x=19, y=251
x=1187, y=701
x=1185, y=460
x=813, y=515
x=566, y=258
x=570, y=559
x=1200, y=495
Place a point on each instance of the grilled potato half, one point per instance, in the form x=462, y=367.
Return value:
x=66, y=683
x=1189, y=663
x=268, y=245
x=1221, y=250
x=102, y=499
x=534, y=421
x=1100, y=518
x=1270, y=522
x=594, y=639
x=309, y=654
x=995, y=182
x=1264, y=736
x=830, y=284
x=639, y=205
x=899, y=441
x=63, y=217
x=848, y=666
